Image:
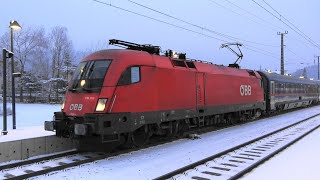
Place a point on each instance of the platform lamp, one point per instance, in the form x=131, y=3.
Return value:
x=14, y=25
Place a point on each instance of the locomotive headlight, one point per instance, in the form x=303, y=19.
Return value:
x=62, y=107
x=82, y=83
x=101, y=104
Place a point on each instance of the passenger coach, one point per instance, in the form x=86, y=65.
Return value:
x=286, y=92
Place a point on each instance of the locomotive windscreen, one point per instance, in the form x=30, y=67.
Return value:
x=89, y=76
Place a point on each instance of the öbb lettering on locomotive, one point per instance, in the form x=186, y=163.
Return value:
x=245, y=90
x=117, y=95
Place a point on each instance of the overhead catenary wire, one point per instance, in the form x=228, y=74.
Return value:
x=254, y=15
x=164, y=22
x=292, y=52
x=200, y=27
x=261, y=19
x=282, y=17
x=294, y=29
x=261, y=51
x=158, y=20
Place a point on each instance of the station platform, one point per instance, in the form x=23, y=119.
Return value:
x=28, y=142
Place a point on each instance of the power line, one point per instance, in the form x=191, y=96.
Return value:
x=252, y=14
x=180, y=27
x=301, y=58
x=200, y=27
x=158, y=20
x=178, y=19
x=261, y=51
x=279, y=18
x=266, y=22
x=248, y=12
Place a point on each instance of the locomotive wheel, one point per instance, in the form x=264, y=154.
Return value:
x=173, y=129
x=231, y=120
x=140, y=137
x=182, y=127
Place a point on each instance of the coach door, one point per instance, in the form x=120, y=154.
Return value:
x=272, y=92
x=200, y=91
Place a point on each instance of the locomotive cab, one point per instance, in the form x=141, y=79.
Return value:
x=91, y=106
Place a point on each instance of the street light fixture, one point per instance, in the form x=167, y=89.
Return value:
x=14, y=25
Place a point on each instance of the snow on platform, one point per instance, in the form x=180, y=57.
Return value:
x=30, y=121
x=30, y=139
x=25, y=133
x=31, y=114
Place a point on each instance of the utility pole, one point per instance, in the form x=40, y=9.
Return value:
x=282, y=54
x=318, y=68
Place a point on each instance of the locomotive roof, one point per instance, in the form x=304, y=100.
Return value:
x=287, y=79
x=144, y=58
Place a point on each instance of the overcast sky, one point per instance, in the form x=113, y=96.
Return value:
x=90, y=23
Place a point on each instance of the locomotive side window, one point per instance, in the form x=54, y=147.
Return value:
x=190, y=64
x=135, y=74
x=129, y=76
x=179, y=63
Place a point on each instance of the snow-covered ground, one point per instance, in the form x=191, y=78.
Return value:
x=30, y=119
x=31, y=114
x=299, y=161
x=156, y=161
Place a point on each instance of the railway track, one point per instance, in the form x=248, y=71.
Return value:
x=43, y=165
x=47, y=164
x=35, y=167
x=237, y=161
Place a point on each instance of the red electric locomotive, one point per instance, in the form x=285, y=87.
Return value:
x=117, y=95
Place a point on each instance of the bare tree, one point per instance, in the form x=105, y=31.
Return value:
x=61, y=51
x=27, y=44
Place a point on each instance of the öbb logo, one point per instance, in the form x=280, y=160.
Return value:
x=76, y=107
x=245, y=90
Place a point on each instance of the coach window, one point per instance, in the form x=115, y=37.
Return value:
x=129, y=76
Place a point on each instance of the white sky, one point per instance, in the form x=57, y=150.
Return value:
x=90, y=23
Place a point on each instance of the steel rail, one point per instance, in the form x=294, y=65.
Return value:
x=36, y=160
x=203, y=161
x=28, y=173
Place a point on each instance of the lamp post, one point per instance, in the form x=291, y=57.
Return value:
x=14, y=25
x=5, y=54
